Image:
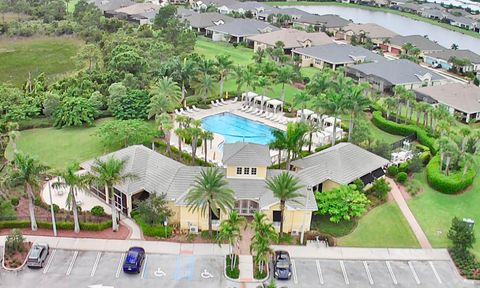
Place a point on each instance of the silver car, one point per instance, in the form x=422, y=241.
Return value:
x=37, y=255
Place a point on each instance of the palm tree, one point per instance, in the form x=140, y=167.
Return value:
x=468, y=161
x=408, y=97
x=206, y=67
x=28, y=170
x=454, y=46
x=210, y=194
x=185, y=72
x=207, y=136
x=249, y=77
x=74, y=182
x=390, y=103
x=465, y=132
x=224, y=65
x=264, y=83
x=164, y=96
x=165, y=126
x=230, y=230
x=264, y=234
x=205, y=85
x=239, y=75
x=399, y=92
x=284, y=76
x=333, y=103
x=108, y=173
x=301, y=99
x=284, y=187
x=290, y=140
x=259, y=55
x=278, y=143
x=194, y=132
x=356, y=103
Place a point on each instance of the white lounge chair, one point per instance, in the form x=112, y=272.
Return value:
x=243, y=108
x=189, y=110
x=213, y=103
x=264, y=114
x=255, y=111
x=183, y=111
x=284, y=120
x=249, y=110
x=223, y=102
x=177, y=113
x=269, y=116
x=259, y=112
x=235, y=100
x=218, y=103
x=195, y=108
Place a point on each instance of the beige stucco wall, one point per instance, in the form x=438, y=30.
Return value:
x=232, y=173
x=259, y=46
x=195, y=218
x=329, y=185
x=292, y=219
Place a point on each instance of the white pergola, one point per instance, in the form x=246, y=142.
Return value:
x=248, y=96
x=274, y=104
x=306, y=113
x=329, y=130
x=261, y=100
x=329, y=121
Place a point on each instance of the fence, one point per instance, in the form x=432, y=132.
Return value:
x=399, y=143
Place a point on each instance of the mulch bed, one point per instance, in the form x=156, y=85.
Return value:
x=121, y=234
x=16, y=259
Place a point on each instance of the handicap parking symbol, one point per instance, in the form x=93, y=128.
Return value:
x=206, y=275
x=159, y=273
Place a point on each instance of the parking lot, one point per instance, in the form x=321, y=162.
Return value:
x=66, y=268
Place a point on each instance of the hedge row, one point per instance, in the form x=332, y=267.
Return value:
x=87, y=226
x=447, y=184
x=404, y=130
x=152, y=230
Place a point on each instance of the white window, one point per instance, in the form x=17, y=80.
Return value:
x=239, y=170
x=254, y=170
x=246, y=171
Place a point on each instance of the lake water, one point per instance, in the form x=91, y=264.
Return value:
x=400, y=25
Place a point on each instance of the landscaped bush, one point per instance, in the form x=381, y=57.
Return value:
x=62, y=225
x=97, y=211
x=447, y=184
x=235, y=272
x=404, y=130
x=425, y=157
x=392, y=170
x=152, y=230
x=402, y=177
x=15, y=201
x=56, y=208
x=381, y=188
x=403, y=167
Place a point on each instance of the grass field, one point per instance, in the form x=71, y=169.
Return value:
x=434, y=211
x=383, y=226
x=240, y=55
x=59, y=147
x=51, y=55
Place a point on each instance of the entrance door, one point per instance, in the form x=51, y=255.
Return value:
x=246, y=207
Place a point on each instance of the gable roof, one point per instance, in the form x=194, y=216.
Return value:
x=243, y=27
x=342, y=163
x=246, y=154
x=327, y=20
x=459, y=54
x=292, y=38
x=139, y=9
x=396, y=72
x=371, y=30
x=208, y=19
x=340, y=53
x=110, y=5
x=294, y=12
x=418, y=41
x=462, y=97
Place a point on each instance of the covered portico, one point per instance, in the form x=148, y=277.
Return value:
x=246, y=207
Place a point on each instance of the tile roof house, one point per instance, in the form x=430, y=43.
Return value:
x=463, y=99
x=238, y=30
x=394, y=45
x=444, y=59
x=385, y=75
x=376, y=33
x=291, y=38
x=329, y=22
x=336, y=55
x=245, y=171
x=200, y=21
x=142, y=13
x=462, y=22
x=111, y=5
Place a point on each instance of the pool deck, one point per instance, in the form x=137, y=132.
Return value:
x=213, y=152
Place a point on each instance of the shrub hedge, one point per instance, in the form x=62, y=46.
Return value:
x=447, y=184
x=152, y=230
x=392, y=170
x=404, y=130
x=62, y=225
x=402, y=177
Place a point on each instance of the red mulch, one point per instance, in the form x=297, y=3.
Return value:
x=18, y=257
x=22, y=210
x=122, y=233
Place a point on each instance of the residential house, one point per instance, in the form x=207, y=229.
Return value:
x=444, y=59
x=408, y=7
x=184, y=12
x=461, y=99
x=202, y=5
x=238, y=30
x=200, y=21
x=294, y=13
x=111, y=5
x=385, y=75
x=435, y=14
x=329, y=23
x=335, y=55
x=463, y=22
x=291, y=38
x=394, y=44
x=376, y=33
x=141, y=13
x=245, y=171
x=242, y=8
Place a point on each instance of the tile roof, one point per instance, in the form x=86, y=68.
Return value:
x=327, y=20
x=292, y=38
x=139, y=8
x=371, y=30
x=462, y=97
x=110, y=5
x=243, y=27
x=418, y=41
x=459, y=54
x=246, y=154
x=340, y=53
x=208, y=19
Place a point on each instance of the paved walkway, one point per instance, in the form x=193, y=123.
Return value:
x=407, y=213
x=135, y=231
x=245, y=259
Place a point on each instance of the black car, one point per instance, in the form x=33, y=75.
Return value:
x=282, y=267
x=37, y=255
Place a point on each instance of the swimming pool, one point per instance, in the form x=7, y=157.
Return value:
x=238, y=129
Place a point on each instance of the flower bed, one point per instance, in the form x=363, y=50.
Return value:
x=467, y=265
x=152, y=230
x=16, y=250
x=450, y=184
x=232, y=273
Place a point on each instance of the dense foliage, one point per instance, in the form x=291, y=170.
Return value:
x=74, y=111
x=154, y=210
x=118, y=133
x=451, y=184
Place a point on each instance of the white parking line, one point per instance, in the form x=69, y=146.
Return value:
x=120, y=265
x=319, y=271
x=95, y=265
x=394, y=279
x=414, y=272
x=45, y=270
x=70, y=267
x=370, y=279
x=344, y=271
x=294, y=272
x=435, y=272
x=144, y=266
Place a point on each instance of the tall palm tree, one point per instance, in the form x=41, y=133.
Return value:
x=284, y=187
x=408, y=97
x=230, y=230
x=184, y=71
x=264, y=234
x=301, y=99
x=259, y=55
x=264, y=83
x=464, y=132
x=320, y=82
x=207, y=136
x=278, y=143
x=333, y=103
x=206, y=67
x=210, y=194
x=399, y=92
x=239, y=75
x=194, y=132
x=249, y=77
x=284, y=76
x=224, y=66
x=165, y=126
x=108, y=173
x=28, y=170
x=164, y=96
x=290, y=140
x=74, y=182
x=390, y=103
x=205, y=85
x=356, y=102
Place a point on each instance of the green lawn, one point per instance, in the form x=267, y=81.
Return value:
x=58, y=147
x=240, y=55
x=434, y=211
x=383, y=226
x=51, y=55
x=379, y=134
x=323, y=224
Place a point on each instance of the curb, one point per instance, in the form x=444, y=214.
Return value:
x=13, y=269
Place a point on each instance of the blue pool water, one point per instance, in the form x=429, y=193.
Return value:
x=238, y=129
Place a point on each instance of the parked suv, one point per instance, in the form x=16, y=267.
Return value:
x=282, y=267
x=37, y=255
x=134, y=260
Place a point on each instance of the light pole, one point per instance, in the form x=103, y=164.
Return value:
x=165, y=224
x=309, y=191
x=51, y=206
